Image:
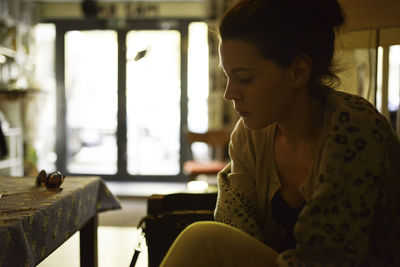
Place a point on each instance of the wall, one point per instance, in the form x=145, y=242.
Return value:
x=59, y=9
x=371, y=14
x=356, y=57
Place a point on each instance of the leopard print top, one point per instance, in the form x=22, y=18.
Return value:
x=352, y=212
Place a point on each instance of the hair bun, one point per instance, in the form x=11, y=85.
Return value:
x=330, y=10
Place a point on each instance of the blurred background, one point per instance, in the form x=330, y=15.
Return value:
x=117, y=89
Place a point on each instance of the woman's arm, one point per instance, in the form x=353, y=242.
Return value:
x=236, y=204
x=347, y=219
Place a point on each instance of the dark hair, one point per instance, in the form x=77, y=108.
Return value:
x=284, y=29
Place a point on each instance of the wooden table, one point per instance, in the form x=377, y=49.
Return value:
x=35, y=221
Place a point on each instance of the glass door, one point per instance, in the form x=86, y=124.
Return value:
x=153, y=92
x=91, y=72
x=121, y=100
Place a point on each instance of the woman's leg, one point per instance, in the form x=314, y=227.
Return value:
x=215, y=244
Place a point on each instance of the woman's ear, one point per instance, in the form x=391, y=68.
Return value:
x=300, y=70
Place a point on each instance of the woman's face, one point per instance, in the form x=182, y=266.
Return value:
x=260, y=89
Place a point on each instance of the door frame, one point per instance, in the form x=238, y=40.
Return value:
x=65, y=25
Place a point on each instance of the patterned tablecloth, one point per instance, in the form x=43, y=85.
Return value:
x=35, y=221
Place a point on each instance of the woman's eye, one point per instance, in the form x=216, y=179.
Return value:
x=245, y=80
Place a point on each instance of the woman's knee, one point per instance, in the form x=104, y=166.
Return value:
x=207, y=229
x=201, y=230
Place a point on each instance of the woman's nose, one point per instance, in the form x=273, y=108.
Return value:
x=231, y=92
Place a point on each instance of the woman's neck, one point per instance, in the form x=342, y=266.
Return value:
x=302, y=126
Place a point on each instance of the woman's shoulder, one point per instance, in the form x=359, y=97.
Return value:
x=353, y=111
x=357, y=128
x=355, y=105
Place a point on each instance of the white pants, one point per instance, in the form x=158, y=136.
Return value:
x=212, y=244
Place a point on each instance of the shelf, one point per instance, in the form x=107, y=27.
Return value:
x=8, y=52
x=16, y=55
x=13, y=131
x=9, y=163
x=19, y=92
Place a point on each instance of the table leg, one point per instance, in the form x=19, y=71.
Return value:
x=88, y=243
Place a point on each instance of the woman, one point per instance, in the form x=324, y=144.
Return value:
x=314, y=177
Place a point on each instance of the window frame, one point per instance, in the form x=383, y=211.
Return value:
x=65, y=25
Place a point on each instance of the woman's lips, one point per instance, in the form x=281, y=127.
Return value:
x=243, y=113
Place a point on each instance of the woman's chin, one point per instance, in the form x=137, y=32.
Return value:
x=253, y=125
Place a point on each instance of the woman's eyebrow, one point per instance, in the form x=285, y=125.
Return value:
x=235, y=70
x=241, y=69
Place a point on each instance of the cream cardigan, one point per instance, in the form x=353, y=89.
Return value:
x=352, y=211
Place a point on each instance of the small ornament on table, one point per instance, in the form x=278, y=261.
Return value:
x=52, y=181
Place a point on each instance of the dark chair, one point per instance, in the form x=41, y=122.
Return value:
x=168, y=215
